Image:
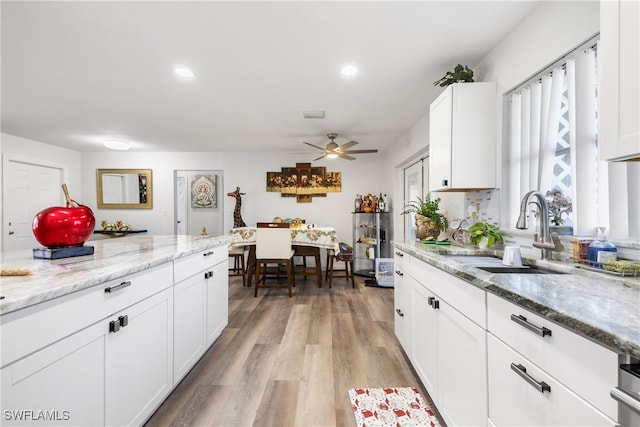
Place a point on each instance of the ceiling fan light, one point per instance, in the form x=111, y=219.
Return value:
x=332, y=156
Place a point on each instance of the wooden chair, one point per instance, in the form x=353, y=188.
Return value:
x=273, y=246
x=302, y=269
x=345, y=255
x=238, y=266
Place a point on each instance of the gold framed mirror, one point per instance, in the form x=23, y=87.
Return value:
x=124, y=188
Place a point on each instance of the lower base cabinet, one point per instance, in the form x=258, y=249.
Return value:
x=539, y=400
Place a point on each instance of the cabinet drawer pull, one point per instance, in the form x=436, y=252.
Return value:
x=522, y=321
x=400, y=313
x=122, y=285
x=399, y=273
x=124, y=320
x=445, y=182
x=207, y=253
x=541, y=386
x=400, y=254
x=114, y=326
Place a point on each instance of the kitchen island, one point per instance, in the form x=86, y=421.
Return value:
x=526, y=349
x=103, y=339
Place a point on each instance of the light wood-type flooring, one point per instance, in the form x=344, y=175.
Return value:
x=289, y=361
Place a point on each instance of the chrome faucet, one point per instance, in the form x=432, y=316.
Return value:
x=547, y=242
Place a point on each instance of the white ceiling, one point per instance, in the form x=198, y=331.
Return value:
x=74, y=73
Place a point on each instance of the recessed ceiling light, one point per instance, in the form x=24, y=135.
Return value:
x=116, y=145
x=349, y=70
x=183, y=72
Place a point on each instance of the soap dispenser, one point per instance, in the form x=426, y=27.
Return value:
x=600, y=250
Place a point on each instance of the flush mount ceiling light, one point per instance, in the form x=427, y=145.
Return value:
x=313, y=114
x=116, y=145
x=349, y=70
x=183, y=72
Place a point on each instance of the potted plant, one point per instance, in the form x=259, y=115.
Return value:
x=429, y=221
x=560, y=206
x=484, y=235
x=459, y=74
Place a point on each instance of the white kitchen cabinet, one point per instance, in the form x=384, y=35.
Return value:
x=449, y=348
x=619, y=86
x=201, y=305
x=64, y=380
x=402, y=301
x=139, y=360
x=585, y=368
x=522, y=394
x=462, y=138
x=217, y=301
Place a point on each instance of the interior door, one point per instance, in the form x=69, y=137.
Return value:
x=27, y=189
x=414, y=185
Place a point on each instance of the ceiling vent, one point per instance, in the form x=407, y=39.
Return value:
x=313, y=114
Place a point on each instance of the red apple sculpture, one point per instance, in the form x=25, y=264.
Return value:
x=59, y=227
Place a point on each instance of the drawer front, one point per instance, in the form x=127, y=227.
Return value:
x=400, y=259
x=48, y=322
x=514, y=401
x=464, y=297
x=585, y=367
x=189, y=265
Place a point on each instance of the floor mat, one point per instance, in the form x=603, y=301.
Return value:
x=391, y=407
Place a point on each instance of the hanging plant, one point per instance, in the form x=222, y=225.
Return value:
x=460, y=74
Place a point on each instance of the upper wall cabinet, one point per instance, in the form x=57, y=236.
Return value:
x=462, y=138
x=619, y=53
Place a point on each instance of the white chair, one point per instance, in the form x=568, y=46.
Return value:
x=273, y=246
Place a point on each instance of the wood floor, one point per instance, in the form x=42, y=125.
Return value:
x=289, y=361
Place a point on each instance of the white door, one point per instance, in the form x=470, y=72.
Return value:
x=28, y=188
x=414, y=185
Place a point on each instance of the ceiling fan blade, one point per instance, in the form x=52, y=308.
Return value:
x=360, y=151
x=321, y=157
x=314, y=146
x=346, y=156
x=348, y=145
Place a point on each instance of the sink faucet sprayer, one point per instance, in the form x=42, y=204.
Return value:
x=547, y=242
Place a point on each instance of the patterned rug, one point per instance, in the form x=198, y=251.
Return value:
x=391, y=407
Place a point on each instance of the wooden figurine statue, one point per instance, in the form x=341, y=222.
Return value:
x=237, y=216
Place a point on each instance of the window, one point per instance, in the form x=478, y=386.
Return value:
x=553, y=139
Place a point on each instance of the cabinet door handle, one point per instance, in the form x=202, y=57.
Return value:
x=207, y=253
x=399, y=273
x=124, y=320
x=430, y=300
x=522, y=321
x=400, y=313
x=436, y=305
x=122, y=285
x=445, y=182
x=114, y=326
x=400, y=254
x=541, y=386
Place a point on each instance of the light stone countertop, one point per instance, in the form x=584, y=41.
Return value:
x=112, y=258
x=600, y=307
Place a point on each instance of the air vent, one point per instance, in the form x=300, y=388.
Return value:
x=313, y=114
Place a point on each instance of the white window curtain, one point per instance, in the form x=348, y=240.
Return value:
x=535, y=114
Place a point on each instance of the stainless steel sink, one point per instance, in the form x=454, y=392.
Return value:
x=494, y=264
x=519, y=270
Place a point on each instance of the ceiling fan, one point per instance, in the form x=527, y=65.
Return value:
x=333, y=150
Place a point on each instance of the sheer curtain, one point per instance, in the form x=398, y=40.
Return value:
x=535, y=114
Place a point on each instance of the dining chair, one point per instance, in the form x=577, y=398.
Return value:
x=273, y=246
x=345, y=254
x=238, y=266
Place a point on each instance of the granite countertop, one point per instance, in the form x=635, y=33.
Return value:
x=112, y=258
x=600, y=307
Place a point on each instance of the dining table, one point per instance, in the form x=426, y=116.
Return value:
x=306, y=240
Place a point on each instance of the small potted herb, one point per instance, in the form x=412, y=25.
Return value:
x=484, y=235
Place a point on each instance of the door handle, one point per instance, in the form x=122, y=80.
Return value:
x=399, y=273
x=11, y=233
x=122, y=285
x=400, y=254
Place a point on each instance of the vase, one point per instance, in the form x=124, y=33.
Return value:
x=425, y=227
x=483, y=243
